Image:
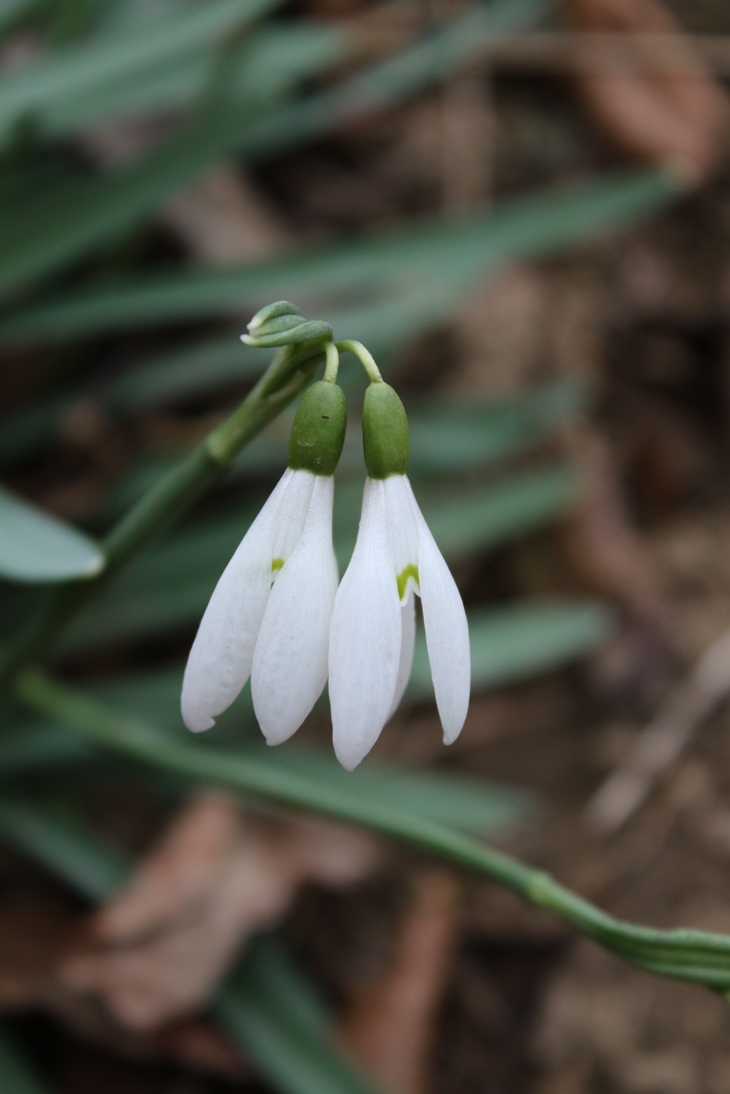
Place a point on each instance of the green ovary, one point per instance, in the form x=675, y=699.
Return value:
x=409, y=571
x=276, y=565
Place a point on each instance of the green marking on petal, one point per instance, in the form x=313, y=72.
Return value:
x=276, y=564
x=402, y=579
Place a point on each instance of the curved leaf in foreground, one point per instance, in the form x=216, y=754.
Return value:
x=695, y=956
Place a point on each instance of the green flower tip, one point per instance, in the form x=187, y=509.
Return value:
x=384, y=432
x=318, y=432
x=410, y=571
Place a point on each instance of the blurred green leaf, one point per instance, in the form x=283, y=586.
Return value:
x=445, y=50
x=192, y=369
x=522, y=640
x=471, y=805
x=415, y=260
x=35, y=546
x=691, y=955
x=274, y=60
x=15, y=1075
x=12, y=10
x=448, y=435
x=28, y=746
x=41, y=233
x=272, y=1012
x=64, y=844
x=465, y=522
x=79, y=70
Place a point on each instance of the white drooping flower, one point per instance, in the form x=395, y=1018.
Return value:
x=269, y=615
x=372, y=633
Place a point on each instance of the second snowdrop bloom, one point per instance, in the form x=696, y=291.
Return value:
x=269, y=615
x=372, y=634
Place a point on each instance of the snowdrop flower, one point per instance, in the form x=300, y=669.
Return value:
x=269, y=615
x=372, y=633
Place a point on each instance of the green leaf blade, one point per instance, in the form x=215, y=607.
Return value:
x=36, y=547
x=15, y=1075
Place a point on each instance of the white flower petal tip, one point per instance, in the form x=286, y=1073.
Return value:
x=373, y=624
x=195, y=720
x=347, y=758
x=269, y=614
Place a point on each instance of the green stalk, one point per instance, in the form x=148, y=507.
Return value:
x=690, y=955
x=168, y=499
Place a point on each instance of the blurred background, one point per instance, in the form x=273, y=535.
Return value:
x=523, y=210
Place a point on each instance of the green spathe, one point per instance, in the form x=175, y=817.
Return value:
x=318, y=432
x=384, y=432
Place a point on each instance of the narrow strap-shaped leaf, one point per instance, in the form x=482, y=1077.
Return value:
x=16, y=1076
x=271, y=1011
x=65, y=845
x=274, y=60
x=517, y=642
x=482, y=241
x=41, y=233
x=684, y=954
x=434, y=57
x=78, y=70
x=35, y=546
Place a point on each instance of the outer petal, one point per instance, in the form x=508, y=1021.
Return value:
x=447, y=633
x=408, y=642
x=290, y=659
x=365, y=637
x=220, y=659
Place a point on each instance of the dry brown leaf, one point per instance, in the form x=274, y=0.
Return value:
x=390, y=1027
x=157, y=950
x=37, y=930
x=672, y=115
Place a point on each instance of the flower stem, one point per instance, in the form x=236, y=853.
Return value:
x=332, y=366
x=695, y=956
x=365, y=358
x=166, y=501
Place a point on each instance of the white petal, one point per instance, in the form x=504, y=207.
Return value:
x=408, y=642
x=292, y=511
x=365, y=637
x=403, y=539
x=220, y=659
x=290, y=660
x=447, y=633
